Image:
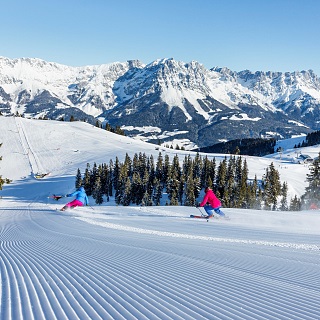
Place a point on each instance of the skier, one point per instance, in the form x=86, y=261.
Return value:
x=214, y=203
x=80, y=200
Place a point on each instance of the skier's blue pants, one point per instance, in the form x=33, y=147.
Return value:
x=210, y=211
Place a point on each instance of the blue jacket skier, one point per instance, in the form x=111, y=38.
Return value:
x=80, y=200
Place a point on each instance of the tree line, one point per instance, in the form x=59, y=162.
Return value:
x=312, y=139
x=251, y=146
x=311, y=198
x=145, y=181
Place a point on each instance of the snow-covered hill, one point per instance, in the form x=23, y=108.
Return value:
x=114, y=262
x=165, y=100
x=42, y=146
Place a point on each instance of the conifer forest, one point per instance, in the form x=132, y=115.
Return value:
x=144, y=181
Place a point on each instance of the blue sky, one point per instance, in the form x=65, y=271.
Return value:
x=270, y=35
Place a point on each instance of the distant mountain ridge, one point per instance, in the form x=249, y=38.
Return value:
x=166, y=100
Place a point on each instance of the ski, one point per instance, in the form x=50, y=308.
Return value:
x=211, y=217
x=200, y=217
x=55, y=197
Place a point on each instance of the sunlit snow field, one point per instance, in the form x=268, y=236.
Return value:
x=115, y=262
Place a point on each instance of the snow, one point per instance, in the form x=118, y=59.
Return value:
x=36, y=75
x=290, y=143
x=114, y=262
x=146, y=129
x=243, y=116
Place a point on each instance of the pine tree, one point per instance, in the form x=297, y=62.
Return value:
x=151, y=168
x=242, y=181
x=142, y=164
x=190, y=199
x=135, y=164
x=93, y=176
x=78, y=179
x=166, y=167
x=127, y=193
x=266, y=184
x=176, y=169
x=312, y=194
x=116, y=174
x=187, y=165
x=209, y=183
x=128, y=165
x=159, y=169
x=137, y=189
x=238, y=170
x=197, y=166
x=181, y=189
x=254, y=195
x=108, y=127
x=123, y=185
x=172, y=186
x=147, y=188
x=118, y=130
x=272, y=187
x=205, y=175
x=2, y=181
x=295, y=204
x=106, y=180
x=97, y=191
x=174, y=199
x=103, y=177
x=284, y=194
x=229, y=195
x=221, y=178
x=157, y=195
x=110, y=179
x=146, y=200
x=212, y=171
x=86, y=180
x=197, y=187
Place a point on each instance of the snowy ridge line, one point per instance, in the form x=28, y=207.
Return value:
x=308, y=247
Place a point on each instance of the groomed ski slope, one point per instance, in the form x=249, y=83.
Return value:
x=114, y=262
x=145, y=263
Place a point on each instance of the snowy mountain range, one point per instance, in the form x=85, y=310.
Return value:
x=165, y=101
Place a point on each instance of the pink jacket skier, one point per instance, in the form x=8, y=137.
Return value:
x=214, y=203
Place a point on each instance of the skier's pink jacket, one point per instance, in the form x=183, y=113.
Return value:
x=211, y=198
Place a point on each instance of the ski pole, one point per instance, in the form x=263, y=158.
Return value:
x=200, y=211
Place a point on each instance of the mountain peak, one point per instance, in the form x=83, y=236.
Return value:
x=178, y=99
